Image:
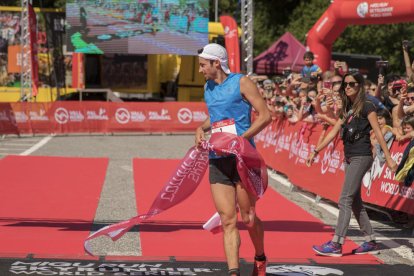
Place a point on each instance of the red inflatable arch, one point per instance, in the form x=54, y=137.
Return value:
x=342, y=13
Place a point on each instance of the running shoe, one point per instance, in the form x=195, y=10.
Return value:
x=367, y=247
x=259, y=268
x=329, y=249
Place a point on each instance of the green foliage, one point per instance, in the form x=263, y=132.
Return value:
x=382, y=40
x=271, y=18
x=10, y=3
x=229, y=7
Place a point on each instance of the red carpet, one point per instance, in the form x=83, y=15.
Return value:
x=47, y=204
x=290, y=231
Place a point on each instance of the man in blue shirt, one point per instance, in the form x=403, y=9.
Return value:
x=230, y=98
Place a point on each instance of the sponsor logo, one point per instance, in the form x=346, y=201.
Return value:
x=100, y=116
x=21, y=117
x=85, y=268
x=122, y=116
x=185, y=116
x=298, y=270
x=228, y=33
x=62, y=115
x=4, y=116
x=162, y=116
x=362, y=9
x=38, y=116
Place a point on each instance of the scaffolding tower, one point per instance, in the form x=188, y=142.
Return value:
x=26, y=64
x=247, y=34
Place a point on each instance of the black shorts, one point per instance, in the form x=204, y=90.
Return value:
x=224, y=171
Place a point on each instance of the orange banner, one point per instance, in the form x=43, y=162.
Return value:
x=78, y=70
x=14, y=62
x=231, y=39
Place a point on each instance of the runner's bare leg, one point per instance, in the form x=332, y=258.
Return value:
x=247, y=203
x=224, y=197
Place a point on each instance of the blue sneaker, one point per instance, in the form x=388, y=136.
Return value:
x=329, y=249
x=367, y=247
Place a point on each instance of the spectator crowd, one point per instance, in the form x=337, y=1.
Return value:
x=314, y=96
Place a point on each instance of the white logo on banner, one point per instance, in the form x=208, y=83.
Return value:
x=163, y=116
x=122, y=115
x=61, y=115
x=331, y=160
x=185, y=116
x=21, y=117
x=362, y=9
x=4, y=116
x=38, y=116
x=298, y=270
x=101, y=116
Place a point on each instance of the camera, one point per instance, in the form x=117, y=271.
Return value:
x=407, y=43
x=349, y=134
x=382, y=65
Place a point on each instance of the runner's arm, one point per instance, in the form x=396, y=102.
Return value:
x=199, y=135
x=249, y=91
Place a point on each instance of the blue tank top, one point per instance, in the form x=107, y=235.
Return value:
x=224, y=101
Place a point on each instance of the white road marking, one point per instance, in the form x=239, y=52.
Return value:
x=402, y=250
x=37, y=146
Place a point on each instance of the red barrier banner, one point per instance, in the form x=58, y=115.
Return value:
x=100, y=117
x=380, y=187
x=285, y=148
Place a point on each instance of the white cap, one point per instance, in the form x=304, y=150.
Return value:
x=215, y=51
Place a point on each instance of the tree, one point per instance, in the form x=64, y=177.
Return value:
x=10, y=3
x=382, y=40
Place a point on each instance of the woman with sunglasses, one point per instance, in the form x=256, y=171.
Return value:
x=357, y=118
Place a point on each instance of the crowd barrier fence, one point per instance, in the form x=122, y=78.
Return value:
x=284, y=146
x=100, y=117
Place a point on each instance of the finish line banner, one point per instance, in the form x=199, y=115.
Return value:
x=285, y=148
x=100, y=117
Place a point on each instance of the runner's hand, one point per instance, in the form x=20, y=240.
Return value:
x=199, y=136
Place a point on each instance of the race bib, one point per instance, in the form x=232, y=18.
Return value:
x=224, y=126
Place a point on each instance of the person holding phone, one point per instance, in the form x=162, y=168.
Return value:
x=357, y=118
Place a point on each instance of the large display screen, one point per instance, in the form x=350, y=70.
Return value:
x=137, y=26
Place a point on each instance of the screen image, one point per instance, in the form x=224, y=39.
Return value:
x=136, y=26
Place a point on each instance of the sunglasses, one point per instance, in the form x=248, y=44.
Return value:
x=351, y=84
x=336, y=83
x=410, y=99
